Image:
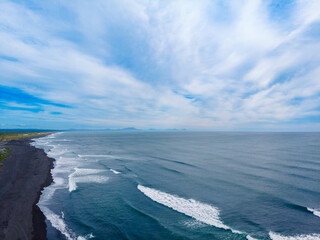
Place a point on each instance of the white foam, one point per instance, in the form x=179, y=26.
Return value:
x=251, y=238
x=86, y=171
x=86, y=237
x=97, y=156
x=40, y=142
x=63, y=166
x=194, y=224
x=84, y=175
x=47, y=193
x=58, y=223
x=54, y=135
x=55, y=152
x=114, y=171
x=316, y=212
x=58, y=181
x=200, y=211
x=276, y=236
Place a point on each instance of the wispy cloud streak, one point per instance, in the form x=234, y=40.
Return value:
x=165, y=64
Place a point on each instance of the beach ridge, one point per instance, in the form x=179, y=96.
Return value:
x=24, y=174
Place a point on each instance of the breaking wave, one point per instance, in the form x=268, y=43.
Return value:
x=251, y=238
x=62, y=165
x=114, y=171
x=316, y=212
x=200, y=211
x=58, y=223
x=96, y=156
x=276, y=236
x=82, y=175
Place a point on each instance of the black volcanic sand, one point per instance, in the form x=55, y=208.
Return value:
x=25, y=172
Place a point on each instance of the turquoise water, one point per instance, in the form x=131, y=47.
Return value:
x=183, y=185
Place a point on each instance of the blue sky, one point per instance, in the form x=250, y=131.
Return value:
x=200, y=65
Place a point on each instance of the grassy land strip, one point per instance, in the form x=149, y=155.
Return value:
x=3, y=154
x=7, y=136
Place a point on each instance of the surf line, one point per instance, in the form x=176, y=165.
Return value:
x=84, y=175
x=276, y=236
x=200, y=211
x=315, y=212
x=209, y=214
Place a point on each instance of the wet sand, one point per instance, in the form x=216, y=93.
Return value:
x=25, y=172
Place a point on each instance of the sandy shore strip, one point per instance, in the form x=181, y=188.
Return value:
x=25, y=172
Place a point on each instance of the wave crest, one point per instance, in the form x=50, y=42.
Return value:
x=276, y=236
x=316, y=212
x=114, y=171
x=200, y=211
x=83, y=175
x=58, y=223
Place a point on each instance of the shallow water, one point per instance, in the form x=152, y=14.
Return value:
x=183, y=185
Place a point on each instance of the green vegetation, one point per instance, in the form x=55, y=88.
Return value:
x=3, y=154
x=6, y=136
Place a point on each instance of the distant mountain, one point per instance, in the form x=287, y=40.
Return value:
x=168, y=130
x=123, y=129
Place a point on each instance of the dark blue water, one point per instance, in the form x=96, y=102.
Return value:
x=183, y=185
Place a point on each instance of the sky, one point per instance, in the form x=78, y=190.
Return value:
x=246, y=65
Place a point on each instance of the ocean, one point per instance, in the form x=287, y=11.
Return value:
x=183, y=185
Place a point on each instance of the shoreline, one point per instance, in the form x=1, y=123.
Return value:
x=25, y=173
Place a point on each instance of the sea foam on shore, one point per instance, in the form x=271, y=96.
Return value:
x=63, y=165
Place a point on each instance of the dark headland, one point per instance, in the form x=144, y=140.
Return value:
x=25, y=172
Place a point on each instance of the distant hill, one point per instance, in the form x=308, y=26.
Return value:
x=123, y=129
x=169, y=130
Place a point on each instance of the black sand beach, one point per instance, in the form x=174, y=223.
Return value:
x=25, y=172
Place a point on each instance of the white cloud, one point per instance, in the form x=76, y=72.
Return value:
x=222, y=64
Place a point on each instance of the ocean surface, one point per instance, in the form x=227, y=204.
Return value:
x=183, y=185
